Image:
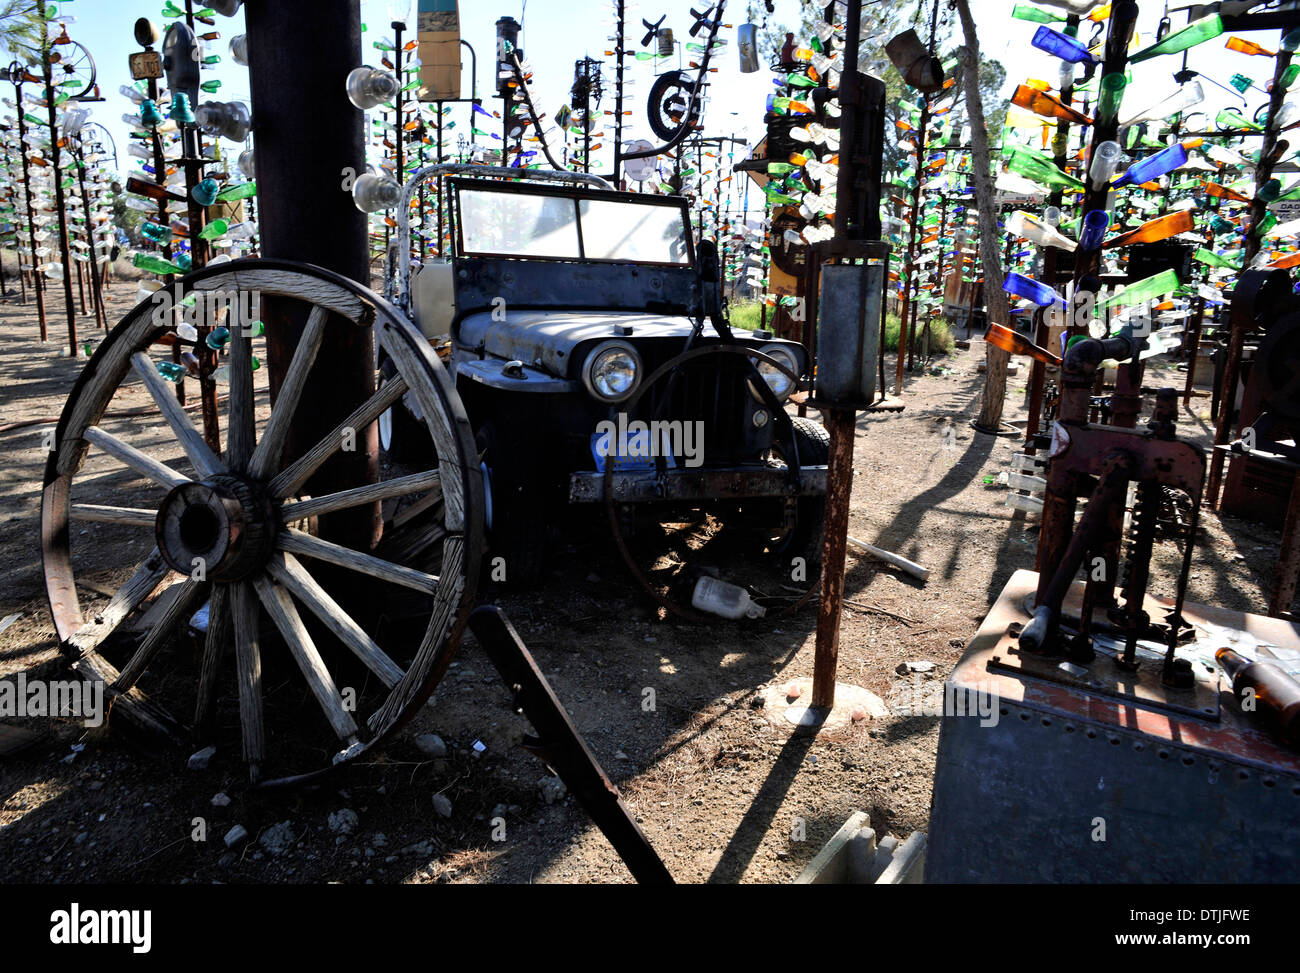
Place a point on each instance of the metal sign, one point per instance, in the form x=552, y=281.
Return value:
x=146, y=64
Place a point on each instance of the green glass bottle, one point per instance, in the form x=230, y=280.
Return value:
x=1232, y=119
x=1197, y=32
x=1212, y=259
x=241, y=190
x=1032, y=167
x=1035, y=15
x=1152, y=287
x=155, y=264
x=1112, y=93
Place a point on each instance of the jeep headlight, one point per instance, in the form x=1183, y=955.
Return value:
x=612, y=371
x=778, y=381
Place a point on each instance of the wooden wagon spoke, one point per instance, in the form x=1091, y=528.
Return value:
x=266, y=457
x=330, y=502
x=164, y=396
x=215, y=643
x=280, y=607
x=245, y=618
x=241, y=437
x=146, y=577
x=288, y=571
x=96, y=513
x=142, y=463
x=179, y=608
x=305, y=545
x=295, y=475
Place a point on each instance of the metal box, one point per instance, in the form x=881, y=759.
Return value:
x=848, y=333
x=1101, y=776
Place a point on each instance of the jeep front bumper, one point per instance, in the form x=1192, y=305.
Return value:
x=647, y=486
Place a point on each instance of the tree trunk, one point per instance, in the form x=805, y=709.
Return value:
x=995, y=298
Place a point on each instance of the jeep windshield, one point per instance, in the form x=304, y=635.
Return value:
x=516, y=220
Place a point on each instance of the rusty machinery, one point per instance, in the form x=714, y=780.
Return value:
x=1096, y=462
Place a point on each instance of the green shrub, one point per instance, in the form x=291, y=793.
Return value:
x=748, y=317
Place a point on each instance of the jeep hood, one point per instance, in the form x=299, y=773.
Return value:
x=548, y=339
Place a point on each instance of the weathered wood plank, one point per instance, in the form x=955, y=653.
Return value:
x=266, y=457
x=164, y=397
x=246, y=620
x=146, y=577
x=96, y=513
x=289, y=572
x=142, y=463
x=178, y=609
x=215, y=645
x=295, y=475
x=241, y=435
x=396, y=487
x=280, y=607
x=297, y=542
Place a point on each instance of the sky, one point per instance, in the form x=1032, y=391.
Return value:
x=558, y=32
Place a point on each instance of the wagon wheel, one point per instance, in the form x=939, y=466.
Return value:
x=232, y=529
x=75, y=69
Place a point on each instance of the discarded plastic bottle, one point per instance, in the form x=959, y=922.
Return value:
x=1031, y=290
x=1197, y=32
x=725, y=599
x=1153, y=167
x=1062, y=45
x=1270, y=690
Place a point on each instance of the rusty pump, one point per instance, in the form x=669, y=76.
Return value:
x=1097, y=462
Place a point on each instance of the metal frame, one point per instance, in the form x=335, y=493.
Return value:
x=398, y=280
x=667, y=202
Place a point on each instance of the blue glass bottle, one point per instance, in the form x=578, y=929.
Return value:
x=1062, y=45
x=1153, y=167
x=1031, y=290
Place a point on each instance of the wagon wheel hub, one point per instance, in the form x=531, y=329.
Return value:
x=222, y=525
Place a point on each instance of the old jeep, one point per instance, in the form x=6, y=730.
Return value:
x=588, y=340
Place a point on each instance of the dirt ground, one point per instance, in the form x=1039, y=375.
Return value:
x=722, y=788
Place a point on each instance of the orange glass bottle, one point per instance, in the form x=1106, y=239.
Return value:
x=1048, y=106
x=1153, y=231
x=1223, y=192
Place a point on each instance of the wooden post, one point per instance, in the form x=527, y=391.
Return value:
x=58, y=179
x=307, y=216
x=16, y=73
x=840, y=423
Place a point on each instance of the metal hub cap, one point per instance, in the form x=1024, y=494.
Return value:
x=221, y=526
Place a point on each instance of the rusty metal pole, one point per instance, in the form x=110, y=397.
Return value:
x=58, y=179
x=306, y=216
x=37, y=283
x=857, y=220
